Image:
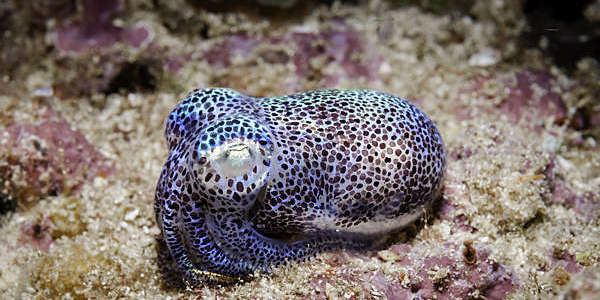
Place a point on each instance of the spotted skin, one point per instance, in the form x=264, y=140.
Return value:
x=333, y=168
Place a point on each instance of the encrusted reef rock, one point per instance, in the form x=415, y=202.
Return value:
x=46, y=158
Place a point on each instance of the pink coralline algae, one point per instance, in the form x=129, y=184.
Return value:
x=523, y=96
x=586, y=205
x=453, y=190
x=342, y=46
x=533, y=95
x=413, y=275
x=567, y=262
x=37, y=234
x=49, y=158
x=220, y=55
x=96, y=29
x=451, y=276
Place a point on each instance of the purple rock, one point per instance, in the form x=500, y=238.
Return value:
x=37, y=234
x=566, y=261
x=52, y=158
x=450, y=276
x=532, y=97
x=522, y=97
x=343, y=46
x=220, y=55
x=586, y=205
x=95, y=30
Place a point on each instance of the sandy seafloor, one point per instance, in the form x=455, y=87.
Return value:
x=520, y=214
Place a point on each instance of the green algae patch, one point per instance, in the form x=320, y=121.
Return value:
x=81, y=269
x=76, y=272
x=587, y=258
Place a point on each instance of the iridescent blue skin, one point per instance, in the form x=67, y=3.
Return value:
x=329, y=168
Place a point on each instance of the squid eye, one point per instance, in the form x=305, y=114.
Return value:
x=235, y=159
x=234, y=154
x=238, y=154
x=238, y=157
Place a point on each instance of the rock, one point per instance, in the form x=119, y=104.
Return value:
x=443, y=277
x=312, y=53
x=37, y=234
x=345, y=47
x=278, y=3
x=485, y=58
x=531, y=97
x=96, y=29
x=47, y=158
x=586, y=205
x=534, y=90
x=220, y=55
